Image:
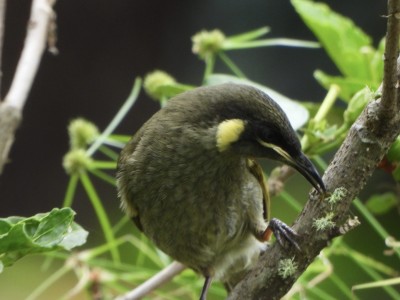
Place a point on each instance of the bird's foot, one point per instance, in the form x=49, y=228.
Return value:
x=282, y=232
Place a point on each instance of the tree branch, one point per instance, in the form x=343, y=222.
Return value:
x=367, y=142
x=35, y=43
x=390, y=74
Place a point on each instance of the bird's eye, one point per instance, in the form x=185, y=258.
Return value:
x=267, y=134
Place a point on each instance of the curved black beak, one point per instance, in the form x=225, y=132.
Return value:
x=301, y=163
x=306, y=168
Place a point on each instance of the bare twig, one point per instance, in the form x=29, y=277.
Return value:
x=368, y=140
x=276, y=180
x=35, y=43
x=165, y=275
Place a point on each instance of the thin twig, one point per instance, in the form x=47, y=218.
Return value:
x=277, y=179
x=35, y=43
x=165, y=275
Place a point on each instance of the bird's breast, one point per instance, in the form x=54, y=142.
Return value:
x=196, y=204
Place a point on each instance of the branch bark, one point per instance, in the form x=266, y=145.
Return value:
x=367, y=142
x=35, y=43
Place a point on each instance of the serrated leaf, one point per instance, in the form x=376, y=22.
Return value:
x=76, y=236
x=297, y=114
x=341, y=38
x=381, y=204
x=40, y=233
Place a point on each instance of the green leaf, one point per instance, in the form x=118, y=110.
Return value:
x=348, y=86
x=76, y=236
x=320, y=133
x=356, y=105
x=120, y=137
x=171, y=90
x=341, y=38
x=52, y=227
x=382, y=203
x=297, y=114
x=393, y=154
x=40, y=233
x=396, y=174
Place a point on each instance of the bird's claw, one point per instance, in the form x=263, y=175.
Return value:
x=282, y=232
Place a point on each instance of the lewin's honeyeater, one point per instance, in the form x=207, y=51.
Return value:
x=189, y=179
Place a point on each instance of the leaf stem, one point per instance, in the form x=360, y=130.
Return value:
x=210, y=62
x=48, y=282
x=101, y=215
x=322, y=112
x=71, y=188
x=117, y=119
x=231, y=65
x=373, y=222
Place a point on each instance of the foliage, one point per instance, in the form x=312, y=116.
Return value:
x=347, y=45
x=360, y=65
x=37, y=234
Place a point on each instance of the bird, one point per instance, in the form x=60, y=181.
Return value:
x=191, y=181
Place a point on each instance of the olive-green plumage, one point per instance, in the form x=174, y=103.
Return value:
x=187, y=181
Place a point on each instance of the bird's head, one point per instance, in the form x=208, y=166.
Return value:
x=251, y=124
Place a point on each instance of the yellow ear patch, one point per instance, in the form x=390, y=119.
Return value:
x=228, y=132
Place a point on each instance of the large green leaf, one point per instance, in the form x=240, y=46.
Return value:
x=348, y=86
x=43, y=232
x=344, y=42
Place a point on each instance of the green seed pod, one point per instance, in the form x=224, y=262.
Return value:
x=154, y=83
x=206, y=43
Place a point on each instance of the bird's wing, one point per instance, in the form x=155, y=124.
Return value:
x=126, y=202
x=258, y=173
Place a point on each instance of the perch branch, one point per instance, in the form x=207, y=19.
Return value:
x=367, y=142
